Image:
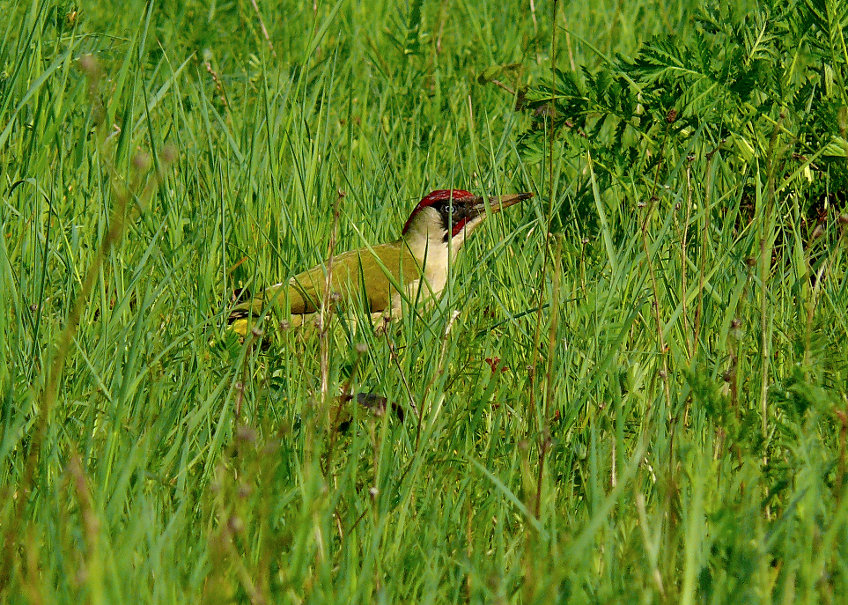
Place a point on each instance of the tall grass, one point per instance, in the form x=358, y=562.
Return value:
x=684, y=352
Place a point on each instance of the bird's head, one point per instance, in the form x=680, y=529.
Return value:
x=450, y=215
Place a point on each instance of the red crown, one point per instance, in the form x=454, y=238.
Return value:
x=439, y=195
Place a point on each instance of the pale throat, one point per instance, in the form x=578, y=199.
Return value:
x=426, y=240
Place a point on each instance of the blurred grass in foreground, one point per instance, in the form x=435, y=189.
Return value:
x=612, y=446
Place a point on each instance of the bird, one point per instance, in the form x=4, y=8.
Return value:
x=414, y=266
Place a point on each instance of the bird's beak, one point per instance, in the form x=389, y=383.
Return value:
x=496, y=204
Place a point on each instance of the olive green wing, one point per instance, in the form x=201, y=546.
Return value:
x=370, y=275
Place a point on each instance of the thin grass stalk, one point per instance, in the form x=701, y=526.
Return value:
x=690, y=345
x=537, y=334
x=117, y=223
x=553, y=329
x=655, y=306
x=530, y=564
x=440, y=370
x=325, y=314
x=765, y=269
x=705, y=232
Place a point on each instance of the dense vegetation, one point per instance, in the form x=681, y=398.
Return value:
x=634, y=388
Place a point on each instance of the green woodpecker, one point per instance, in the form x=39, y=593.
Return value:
x=413, y=266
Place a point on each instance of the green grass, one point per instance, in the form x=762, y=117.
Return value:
x=668, y=419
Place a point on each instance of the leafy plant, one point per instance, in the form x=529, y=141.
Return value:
x=761, y=88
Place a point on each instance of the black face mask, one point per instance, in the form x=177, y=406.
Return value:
x=453, y=215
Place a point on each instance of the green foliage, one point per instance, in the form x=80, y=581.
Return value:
x=409, y=25
x=647, y=404
x=734, y=84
